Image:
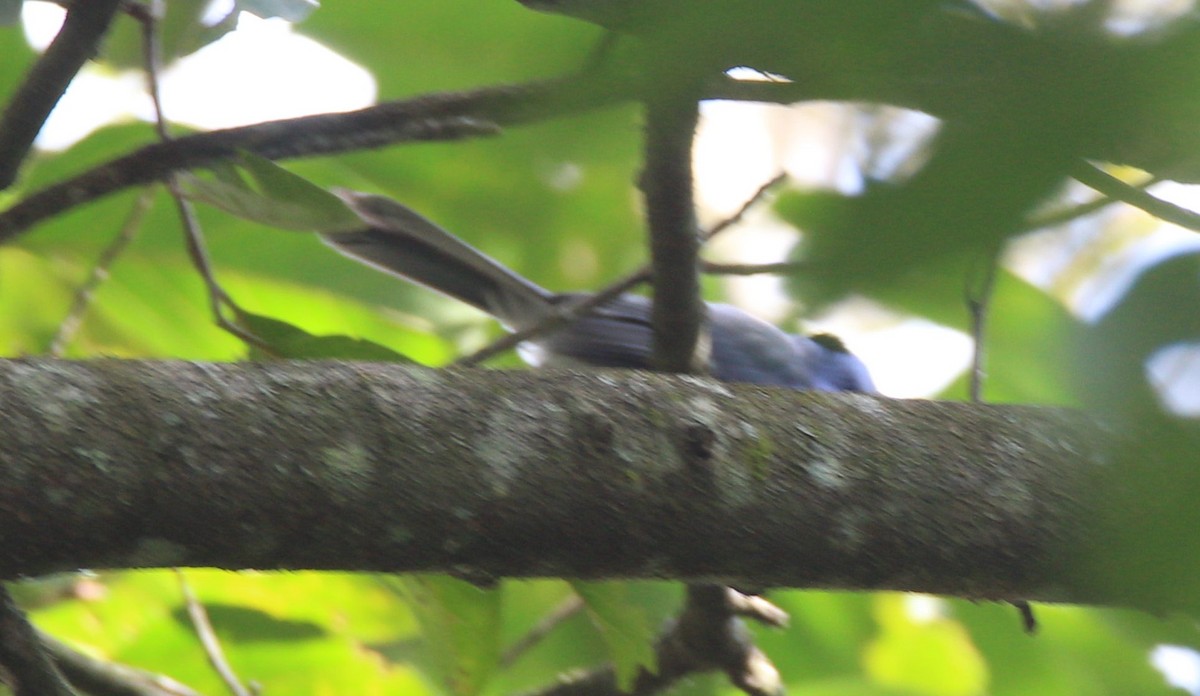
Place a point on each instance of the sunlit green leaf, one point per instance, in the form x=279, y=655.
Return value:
x=1030, y=345
x=287, y=341
x=624, y=627
x=353, y=604
x=460, y=624
x=823, y=638
x=927, y=654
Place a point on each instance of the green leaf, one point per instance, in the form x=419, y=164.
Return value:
x=1029, y=349
x=461, y=626
x=951, y=214
x=624, y=627
x=851, y=686
x=288, y=341
x=282, y=199
x=1077, y=651
x=934, y=656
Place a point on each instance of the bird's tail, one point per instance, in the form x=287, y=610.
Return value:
x=397, y=240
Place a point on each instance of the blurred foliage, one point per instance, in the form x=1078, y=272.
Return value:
x=622, y=625
x=555, y=201
x=460, y=625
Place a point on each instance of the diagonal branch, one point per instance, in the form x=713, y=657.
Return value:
x=77, y=41
x=1093, y=177
x=102, y=678
x=444, y=116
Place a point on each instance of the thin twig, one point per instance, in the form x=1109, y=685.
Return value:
x=978, y=296
x=103, y=678
x=573, y=310
x=745, y=269
x=219, y=300
x=208, y=638
x=745, y=207
x=1061, y=217
x=715, y=268
x=569, y=607
x=70, y=324
x=569, y=312
x=27, y=668
x=1029, y=620
x=1094, y=177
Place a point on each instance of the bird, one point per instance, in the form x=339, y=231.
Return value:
x=616, y=334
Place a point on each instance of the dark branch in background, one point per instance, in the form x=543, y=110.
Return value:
x=24, y=664
x=711, y=635
x=447, y=116
x=1092, y=176
x=678, y=316
x=77, y=41
x=702, y=639
x=103, y=678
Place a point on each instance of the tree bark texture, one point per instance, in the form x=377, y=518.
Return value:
x=484, y=474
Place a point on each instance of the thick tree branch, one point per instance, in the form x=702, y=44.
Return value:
x=377, y=467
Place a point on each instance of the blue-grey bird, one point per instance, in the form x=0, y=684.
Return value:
x=616, y=334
